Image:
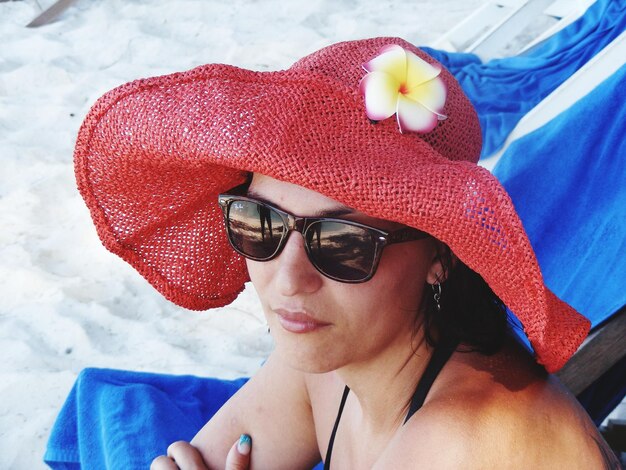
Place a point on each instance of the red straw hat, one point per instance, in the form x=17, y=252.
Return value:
x=153, y=155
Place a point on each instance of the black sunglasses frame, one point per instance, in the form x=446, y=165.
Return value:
x=293, y=223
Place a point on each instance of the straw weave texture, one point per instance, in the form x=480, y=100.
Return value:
x=153, y=155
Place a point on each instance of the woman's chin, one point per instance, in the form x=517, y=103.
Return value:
x=305, y=357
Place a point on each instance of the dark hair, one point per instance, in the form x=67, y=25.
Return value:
x=471, y=313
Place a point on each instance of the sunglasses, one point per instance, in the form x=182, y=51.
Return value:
x=341, y=250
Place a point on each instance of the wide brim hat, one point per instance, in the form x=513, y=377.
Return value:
x=152, y=156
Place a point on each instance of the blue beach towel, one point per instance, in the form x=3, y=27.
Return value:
x=567, y=180
x=504, y=90
x=120, y=419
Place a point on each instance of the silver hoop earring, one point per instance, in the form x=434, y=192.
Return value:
x=437, y=294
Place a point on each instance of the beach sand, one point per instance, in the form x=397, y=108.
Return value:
x=65, y=302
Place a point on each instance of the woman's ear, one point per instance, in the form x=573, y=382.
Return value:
x=443, y=262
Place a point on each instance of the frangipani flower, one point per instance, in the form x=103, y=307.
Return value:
x=402, y=83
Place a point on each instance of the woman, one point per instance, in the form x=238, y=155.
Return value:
x=392, y=345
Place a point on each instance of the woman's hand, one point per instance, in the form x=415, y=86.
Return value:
x=238, y=457
x=182, y=455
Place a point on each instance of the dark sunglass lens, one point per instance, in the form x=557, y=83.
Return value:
x=341, y=250
x=255, y=230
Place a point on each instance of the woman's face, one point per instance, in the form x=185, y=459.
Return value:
x=319, y=324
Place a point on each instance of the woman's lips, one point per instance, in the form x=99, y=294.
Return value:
x=298, y=322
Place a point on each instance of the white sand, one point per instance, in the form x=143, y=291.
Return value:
x=65, y=302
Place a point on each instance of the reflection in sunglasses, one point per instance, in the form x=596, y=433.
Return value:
x=265, y=215
x=343, y=250
x=339, y=249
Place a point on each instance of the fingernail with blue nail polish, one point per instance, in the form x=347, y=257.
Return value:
x=244, y=444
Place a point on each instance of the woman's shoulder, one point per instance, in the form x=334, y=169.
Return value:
x=500, y=410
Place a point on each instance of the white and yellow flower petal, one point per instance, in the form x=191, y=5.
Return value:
x=413, y=116
x=431, y=94
x=392, y=61
x=419, y=71
x=381, y=95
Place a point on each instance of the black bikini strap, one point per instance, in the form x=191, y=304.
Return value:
x=331, y=442
x=440, y=356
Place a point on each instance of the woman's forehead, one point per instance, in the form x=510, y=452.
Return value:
x=292, y=197
x=305, y=202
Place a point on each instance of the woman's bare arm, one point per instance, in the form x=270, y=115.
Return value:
x=274, y=409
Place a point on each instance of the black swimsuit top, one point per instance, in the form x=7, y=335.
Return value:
x=442, y=353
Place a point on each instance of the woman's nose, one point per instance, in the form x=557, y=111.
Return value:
x=295, y=274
